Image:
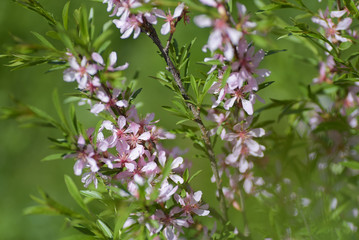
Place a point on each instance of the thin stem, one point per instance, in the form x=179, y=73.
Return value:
x=339, y=5
x=171, y=36
x=151, y=32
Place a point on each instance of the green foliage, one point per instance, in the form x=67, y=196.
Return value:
x=293, y=154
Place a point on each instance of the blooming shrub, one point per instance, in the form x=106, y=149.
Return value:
x=144, y=188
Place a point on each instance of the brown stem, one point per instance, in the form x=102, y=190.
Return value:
x=339, y=5
x=151, y=32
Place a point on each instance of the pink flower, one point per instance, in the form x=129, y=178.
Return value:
x=243, y=19
x=79, y=72
x=166, y=192
x=129, y=25
x=332, y=30
x=169, y=25
x=244, y=144
x=222, y=35
x=107, y=102
x=112, y=61
x=191, y=204
x=172, y=223
x=135, y=135
x=247, y=65
x=326, y=71
x=175, y=164
x=85, y=157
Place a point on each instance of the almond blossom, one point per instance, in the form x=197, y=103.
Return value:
x=112, y=61
x=332, y=29
x=79, y=72
x=191, y=203
x=108, y=102
x=170, y=20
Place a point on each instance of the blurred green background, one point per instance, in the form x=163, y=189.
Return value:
x=21, y=149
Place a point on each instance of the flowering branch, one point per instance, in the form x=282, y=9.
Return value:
x=151, y=32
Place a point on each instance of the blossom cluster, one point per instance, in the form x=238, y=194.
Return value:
x=335, y=26
x=126, y=151
x=235, y=64
x=129, y=21
x=236, y=92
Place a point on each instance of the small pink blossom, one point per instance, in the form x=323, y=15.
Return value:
x=112, y=61
x=170, y=20
x=79, y=72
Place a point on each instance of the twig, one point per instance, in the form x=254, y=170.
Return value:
x=151, y=32
x=339, y=5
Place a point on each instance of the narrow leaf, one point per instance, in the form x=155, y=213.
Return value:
x=52, y=157
x=351, y=164
x=65, y=15
x=74, y=192
x=44, y=41
x=104, y=228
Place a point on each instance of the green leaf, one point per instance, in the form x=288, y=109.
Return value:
x=74, y=192
x=44, y=116
x=53, y=157
x=35, y=6
x=186, y=175
x=194, y=86
x=212, y=62
x=270, y=52
x=182, y=121
x=122, y=215
x=44, y=41
x=66, y=40
x=104, y=46
x=345, y=45
x=65, y=15
x=174, y=111
x=135, y=94
x=104, y=228
x=100, y=40
x=166, y=170
x=91, y=194
x=264, y=85
x=40, y=210
x=209, y=81
x=194, y=175
x=226, y=76
x=83, y=24
x=74, y=118
x=351, y=164
x=60, y=113
x=77, y=237
x=98, y=125
x=351, y=6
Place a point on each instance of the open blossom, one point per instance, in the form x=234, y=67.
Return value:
x=132, y=24
x=169, y=25
x=242, y=135
x=243, y=19
x=112, y=61
x=175, y=164
x=108, y=102
x=172, y=225
x=332, y=29
x=79, y=72
x=85, y=157
x=191, y=203
x=326, y=71
x=223, y=36
x=247, y=64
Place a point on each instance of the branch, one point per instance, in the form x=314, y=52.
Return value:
x=151, y=32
